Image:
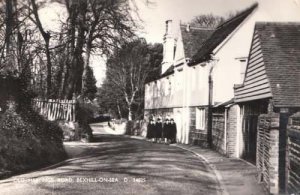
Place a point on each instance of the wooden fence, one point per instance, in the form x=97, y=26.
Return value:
x=267, y=156
x=294, y=154
x=55, y=109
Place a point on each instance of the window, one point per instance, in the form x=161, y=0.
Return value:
x=193, y=77
x=179, y=80
x=200, y=118
x=172, y=84
x=166, y=86
x=157, y=88
x=243, y=62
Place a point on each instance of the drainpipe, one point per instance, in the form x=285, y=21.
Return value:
x=225, y=131
x=210, y=99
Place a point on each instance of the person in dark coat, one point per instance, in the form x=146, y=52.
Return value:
x=150, y=129
x=158, y=129
x=173, y=131
x=166, y=131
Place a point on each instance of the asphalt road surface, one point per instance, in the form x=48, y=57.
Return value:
x=114, y=164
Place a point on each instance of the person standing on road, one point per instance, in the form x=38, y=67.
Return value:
x=158, y=129
x=150, y=130
x=166, y=131
x=173, y=131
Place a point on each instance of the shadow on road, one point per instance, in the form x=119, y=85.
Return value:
x=163, y=169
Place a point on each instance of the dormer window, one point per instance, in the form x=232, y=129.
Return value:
x=243, y=64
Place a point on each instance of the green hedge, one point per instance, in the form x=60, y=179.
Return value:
x=28, y=141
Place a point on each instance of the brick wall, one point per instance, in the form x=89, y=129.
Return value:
x=192, y=135
x=197, y=136
x=293, y=162
x=218, y=130
x=267, y=155
x=231, y=133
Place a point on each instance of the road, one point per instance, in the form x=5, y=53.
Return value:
x=115, y=164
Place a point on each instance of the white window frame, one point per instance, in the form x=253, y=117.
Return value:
x=193, y=77
x=200, y=118
x=166, y=87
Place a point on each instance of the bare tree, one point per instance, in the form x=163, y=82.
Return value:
x=207, y=20
x=93, y=27
x=109, y=23
x=46, y=36
x=77, y=29
x=8, y=25
x=16, y=37
x=128, y=70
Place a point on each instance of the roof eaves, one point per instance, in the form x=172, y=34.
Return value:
x=168, y=72
x=207, y=48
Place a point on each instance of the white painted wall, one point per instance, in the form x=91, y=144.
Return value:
x=227, y=71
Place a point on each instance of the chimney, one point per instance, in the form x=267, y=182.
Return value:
x=168, y=27
x=169, y=43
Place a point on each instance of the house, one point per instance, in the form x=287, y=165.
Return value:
x=268, y=99
x=236, y=88
x=182, y=90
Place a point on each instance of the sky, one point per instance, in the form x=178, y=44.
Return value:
x=153, y=17
x=184, y=10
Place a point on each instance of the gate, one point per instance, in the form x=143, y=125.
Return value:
x=250, y=136
x=250, y=113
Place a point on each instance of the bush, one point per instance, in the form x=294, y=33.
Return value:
x=129, y=128
x=84, y=116
x=28, y=141
x=69, y=134
x=137, y=127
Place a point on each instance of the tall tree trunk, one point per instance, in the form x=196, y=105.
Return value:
x=86, y=61
x=49, y=67
x=77, y=65
x=130, y=114
x=65, y=76
x=9, y=24
x=119, y=109
x=46, y=36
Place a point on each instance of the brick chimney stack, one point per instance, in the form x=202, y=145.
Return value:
x=169, y=44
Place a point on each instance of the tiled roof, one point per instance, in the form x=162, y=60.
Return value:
x=220, y=34
x=168, y=72
x=193, y=39
x=280, y=43
x=224, y=104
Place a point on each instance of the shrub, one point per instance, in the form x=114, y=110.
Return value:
x=137, y=127
x=84, y=116
x=28, y=141
x=129, y=127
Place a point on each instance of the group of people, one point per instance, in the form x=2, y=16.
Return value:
x=162, y=131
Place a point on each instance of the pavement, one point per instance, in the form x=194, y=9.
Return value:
x=236, y=176
x=118, y=164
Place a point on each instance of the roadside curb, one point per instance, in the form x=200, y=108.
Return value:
x=9, y=174
x=135, y=137
x=5, y=174
x=215, y=171
x=207, y=163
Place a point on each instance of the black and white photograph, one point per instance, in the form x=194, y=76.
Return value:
x=150, y=97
